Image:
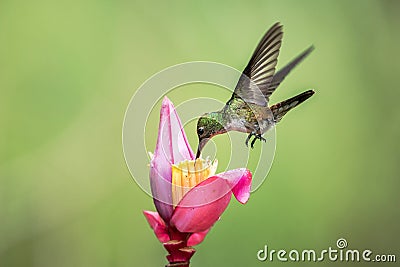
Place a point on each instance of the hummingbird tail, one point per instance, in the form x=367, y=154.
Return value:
x=280, y=109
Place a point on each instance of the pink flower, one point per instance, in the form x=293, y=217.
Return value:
x=188, y=197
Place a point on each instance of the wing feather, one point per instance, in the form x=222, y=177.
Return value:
x=254, y=82
x=282, y=73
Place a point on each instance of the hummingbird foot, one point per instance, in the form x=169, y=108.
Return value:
x=259, y=137
x=248, y=138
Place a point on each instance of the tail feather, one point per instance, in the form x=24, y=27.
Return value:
x=280, y=109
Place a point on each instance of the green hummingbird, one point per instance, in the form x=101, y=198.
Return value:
x=247, y=110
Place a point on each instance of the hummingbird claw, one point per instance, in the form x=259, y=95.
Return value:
x=252, y=142
x=248, y=139
x=258, y=136
x=261, y=138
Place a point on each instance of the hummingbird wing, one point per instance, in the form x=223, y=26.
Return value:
x=254, y=82
x=282, y=73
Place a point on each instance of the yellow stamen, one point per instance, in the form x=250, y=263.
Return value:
x=187, y=174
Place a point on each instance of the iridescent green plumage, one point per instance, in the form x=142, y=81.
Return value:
x=247, y=110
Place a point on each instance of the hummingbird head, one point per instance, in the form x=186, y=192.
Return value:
x=208, y=125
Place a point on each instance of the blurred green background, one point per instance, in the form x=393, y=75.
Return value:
x=69, y=69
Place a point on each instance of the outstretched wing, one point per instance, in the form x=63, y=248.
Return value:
x=282, y=73
x=255, y=80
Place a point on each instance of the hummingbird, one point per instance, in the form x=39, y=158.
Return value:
x=247, y=110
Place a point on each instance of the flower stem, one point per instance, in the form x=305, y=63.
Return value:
x=179, y=253
x=178, y=264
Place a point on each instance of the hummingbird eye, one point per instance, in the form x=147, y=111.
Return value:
x=200, y=130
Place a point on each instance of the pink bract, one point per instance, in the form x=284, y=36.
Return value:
x=202, y=205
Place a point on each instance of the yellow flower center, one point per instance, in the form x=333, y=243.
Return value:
x=187, y=175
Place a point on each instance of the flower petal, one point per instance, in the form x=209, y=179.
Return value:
x=240, y=182
x=202, y=206
x=172, y=140
x=161, y=189
x=158, y=225
x=172, y=146
x=196, y=238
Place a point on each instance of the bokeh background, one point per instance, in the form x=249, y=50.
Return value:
x=69, y=69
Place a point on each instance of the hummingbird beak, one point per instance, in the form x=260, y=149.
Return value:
x=202, y=143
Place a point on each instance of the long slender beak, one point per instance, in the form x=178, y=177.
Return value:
x=202, y=143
